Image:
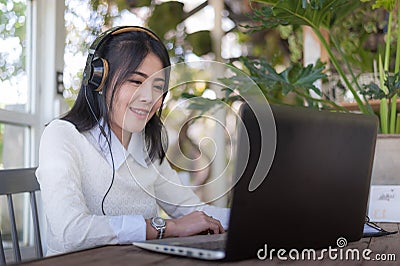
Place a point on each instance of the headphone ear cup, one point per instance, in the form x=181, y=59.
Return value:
x=99, y=73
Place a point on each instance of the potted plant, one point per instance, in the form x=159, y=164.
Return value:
x=319, y=14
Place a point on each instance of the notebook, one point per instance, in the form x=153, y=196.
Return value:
x=314, y=192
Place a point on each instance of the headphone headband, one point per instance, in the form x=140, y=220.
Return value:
x=96, y=68
x=117, y=30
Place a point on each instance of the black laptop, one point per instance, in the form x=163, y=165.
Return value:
x=314, y=193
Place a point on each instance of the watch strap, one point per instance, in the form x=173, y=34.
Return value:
x=160, y=233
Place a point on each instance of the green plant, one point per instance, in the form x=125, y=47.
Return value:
x=293, y=86
x=316, y=14
x=389, y=84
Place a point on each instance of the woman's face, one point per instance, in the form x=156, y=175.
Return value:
x=137, y=100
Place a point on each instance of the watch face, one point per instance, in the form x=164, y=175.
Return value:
x=158, y=221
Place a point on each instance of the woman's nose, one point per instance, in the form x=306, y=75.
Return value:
x=145, y=94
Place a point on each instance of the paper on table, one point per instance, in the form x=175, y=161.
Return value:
x=384, y=203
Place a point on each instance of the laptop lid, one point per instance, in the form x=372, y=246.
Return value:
x=316, y=189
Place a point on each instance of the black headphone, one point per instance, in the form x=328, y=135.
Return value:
x=96, y=69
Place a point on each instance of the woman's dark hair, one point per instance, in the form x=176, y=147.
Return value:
x=124, y=53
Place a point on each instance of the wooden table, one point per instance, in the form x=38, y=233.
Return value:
x=131, y=255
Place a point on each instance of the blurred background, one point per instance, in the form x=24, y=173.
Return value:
x=43, y=49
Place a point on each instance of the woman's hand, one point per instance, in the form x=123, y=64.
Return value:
x=193, y=224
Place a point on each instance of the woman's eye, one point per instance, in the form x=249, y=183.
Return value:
x=134, y=81
x=158, y=87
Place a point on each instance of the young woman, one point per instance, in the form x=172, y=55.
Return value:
x=102, y=167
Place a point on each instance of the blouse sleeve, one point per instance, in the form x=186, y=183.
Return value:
x=178, y=200
x=70, y=224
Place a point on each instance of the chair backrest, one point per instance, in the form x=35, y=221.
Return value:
x=14, y=181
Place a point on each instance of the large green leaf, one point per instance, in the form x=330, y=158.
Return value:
x=295, y=77
x=296, y=80
x=315, y=13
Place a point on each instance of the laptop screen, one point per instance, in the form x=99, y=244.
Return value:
x=317, y=187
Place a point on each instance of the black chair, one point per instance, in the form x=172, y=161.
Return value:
x=18, y=181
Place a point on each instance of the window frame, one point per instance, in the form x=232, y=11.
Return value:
x=45, y=32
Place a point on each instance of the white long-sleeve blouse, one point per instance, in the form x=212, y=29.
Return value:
x=75, y=171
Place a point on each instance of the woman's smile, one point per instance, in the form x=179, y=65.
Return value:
x=140, y=113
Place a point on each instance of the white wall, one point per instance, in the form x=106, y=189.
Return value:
x=49, y=50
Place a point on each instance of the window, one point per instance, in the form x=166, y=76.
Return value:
x=16, y=108
x=17, y=118
x=15, y=55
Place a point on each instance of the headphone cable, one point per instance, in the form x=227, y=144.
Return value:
x=109, y=147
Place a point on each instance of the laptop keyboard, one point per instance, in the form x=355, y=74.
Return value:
x=209, y=242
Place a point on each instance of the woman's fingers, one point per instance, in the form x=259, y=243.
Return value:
x=220, y=227
x=194, y=223
x=215, y=225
